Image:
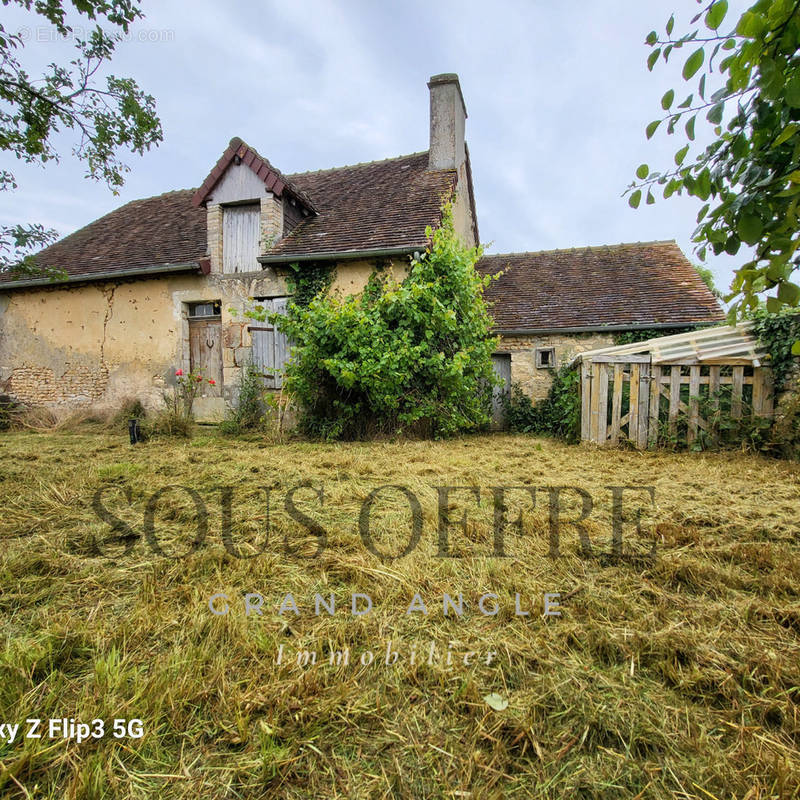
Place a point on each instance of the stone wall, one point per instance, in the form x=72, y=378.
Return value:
x=535, y=381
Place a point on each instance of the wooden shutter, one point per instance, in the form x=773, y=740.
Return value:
x=270, y=346
x=240, y=242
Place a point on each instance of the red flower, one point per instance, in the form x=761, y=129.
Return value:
x=178, y=373
x=212, y=381
x=198, y=378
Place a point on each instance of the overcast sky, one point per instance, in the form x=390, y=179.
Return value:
x=558, y=96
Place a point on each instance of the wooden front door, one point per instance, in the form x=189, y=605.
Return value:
x=502, y=367
x=205, y=349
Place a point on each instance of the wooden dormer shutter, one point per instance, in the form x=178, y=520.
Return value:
x=240, y=237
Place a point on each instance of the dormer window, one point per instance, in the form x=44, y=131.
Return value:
x=241, y=236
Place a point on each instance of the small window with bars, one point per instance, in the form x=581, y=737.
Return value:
x=545, y=357
x=204, y=310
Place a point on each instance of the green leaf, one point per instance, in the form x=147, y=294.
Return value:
x=670, y=25
x=690, y=128
x=701, y=214
x=715, y=114
x=496, y=701
x=789, y=293
x=729, y=44
x=651, y=128
x=701, y=87
x=786, y=133
x=650, y=198
x=651, y=38
x=666, y=100
x=693, y=63
x=635, y=199
x=716, y=14
x=681, y=155
x=642, y=172
x=749, y=228
x=796, y=349
x=688, y=101
x=751, y=25
x=792, y=91
x=652, y=58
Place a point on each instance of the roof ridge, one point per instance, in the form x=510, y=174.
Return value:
x=575, y=249
x=358, y=164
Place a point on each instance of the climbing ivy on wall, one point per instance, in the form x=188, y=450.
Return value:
x=778, y=334
x=305, y=281
x=412, y=356
x=631, y=337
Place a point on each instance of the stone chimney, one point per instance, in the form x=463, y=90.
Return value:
x=448, y=114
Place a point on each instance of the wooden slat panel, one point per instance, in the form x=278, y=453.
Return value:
x=713, y=386
x=616, y=404
x=633, y=410
x=768, y=391
x=758, y=393
x=282, y=343
x=602, y=404
x=643, y=406
x=595, y=402
x=736, y=397
x=241, y=234
x=586, y=401
x=694, y=403
x=655, y=406
x=674, y=399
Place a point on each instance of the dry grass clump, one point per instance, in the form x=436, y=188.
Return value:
x=669, y=676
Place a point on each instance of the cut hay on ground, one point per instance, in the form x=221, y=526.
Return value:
x=676, y=675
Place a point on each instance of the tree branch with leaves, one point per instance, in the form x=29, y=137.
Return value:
x=107, y=118
x=744, y=81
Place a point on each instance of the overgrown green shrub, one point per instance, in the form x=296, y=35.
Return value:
x=167, y=422
x=559, y=414
x=7, y=408
x=248, y=412
x=411, y=357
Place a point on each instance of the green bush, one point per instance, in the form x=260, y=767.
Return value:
x=411, y=357
x=168, y=422
x=559, y=414
x=7, y=408
x=248, y=413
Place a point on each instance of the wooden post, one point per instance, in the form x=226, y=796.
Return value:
x=595, y=412
x=713, y=386
x=633, y=408
x=736, y=396
x=616, y=404
x=655, y=407
x=586, y=401
x=694, y=403
x=644, y=395
x=602, y=404
x=674, y=398
x=758, y=392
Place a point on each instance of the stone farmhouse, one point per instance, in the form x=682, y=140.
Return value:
x=163, y=283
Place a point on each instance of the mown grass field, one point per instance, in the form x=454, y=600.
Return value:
x=676, y=675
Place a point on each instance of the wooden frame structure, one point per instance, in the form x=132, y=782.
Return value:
x=671, y=385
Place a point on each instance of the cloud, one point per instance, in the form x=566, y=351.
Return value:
x=557, y=94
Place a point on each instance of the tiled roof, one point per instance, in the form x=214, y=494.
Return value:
x=380, y=205
x=157, y=231
x=275, y=181
x=647, y=283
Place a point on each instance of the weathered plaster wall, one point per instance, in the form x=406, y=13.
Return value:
x=534, y=381
x=99, y=343
x=351, y=276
